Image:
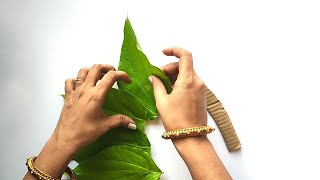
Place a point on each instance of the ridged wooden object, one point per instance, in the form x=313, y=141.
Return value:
x=220, y=116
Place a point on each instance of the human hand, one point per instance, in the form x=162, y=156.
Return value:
x=185, y=107
x=82, y=120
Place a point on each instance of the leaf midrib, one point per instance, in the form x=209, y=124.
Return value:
x=137, y=51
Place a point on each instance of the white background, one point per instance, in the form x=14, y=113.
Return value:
x=261, y=58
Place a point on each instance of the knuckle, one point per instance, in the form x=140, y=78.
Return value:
x=201, y=84
x=117, y=120
x=111, y=67
x=121, y=120
x=95, y=97
x=82, y=70
x=112, y=74
x=66, y=81
x=193, y=83
x=68, y=104
x=186, y=84
x=188, y=54
x=96, y=66
x=81, y=93
x=125, y=75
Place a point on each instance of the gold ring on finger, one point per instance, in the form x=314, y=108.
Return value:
x=78, y=80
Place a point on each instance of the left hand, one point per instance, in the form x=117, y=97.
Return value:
x=82, y=120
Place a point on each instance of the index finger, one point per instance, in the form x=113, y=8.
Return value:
x=110, y=78
x=185, y=58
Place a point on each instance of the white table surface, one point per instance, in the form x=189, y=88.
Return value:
x=261, y=58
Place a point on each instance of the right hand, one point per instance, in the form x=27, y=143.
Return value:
x=186, y=106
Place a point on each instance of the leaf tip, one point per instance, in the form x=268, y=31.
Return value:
x=63, y=96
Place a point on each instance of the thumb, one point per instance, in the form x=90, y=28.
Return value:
x=158, y=88
x=120, y=120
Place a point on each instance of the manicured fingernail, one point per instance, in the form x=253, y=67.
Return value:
x=150, y=79
x=132, y=126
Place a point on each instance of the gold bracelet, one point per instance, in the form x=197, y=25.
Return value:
x=187, y=132
x=37, y=173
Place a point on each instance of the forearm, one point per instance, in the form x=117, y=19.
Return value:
x=53, y=159
x=201, y=158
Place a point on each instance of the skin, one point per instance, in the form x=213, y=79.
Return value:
x=184, y=107
x=82, y=110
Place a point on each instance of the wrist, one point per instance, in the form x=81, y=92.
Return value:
x=200, y=156
x=189, y=143
x=60, y=145
x=54, y=157
x=187, y=123
x=174, y=121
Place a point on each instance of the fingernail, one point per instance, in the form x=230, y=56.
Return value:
x=150, y=79
x=132, y=126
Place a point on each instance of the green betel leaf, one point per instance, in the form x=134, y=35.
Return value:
x=121, y=102
x=117, y=136
x=136, y=64
x=119, y=162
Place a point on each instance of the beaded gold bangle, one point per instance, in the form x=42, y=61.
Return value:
x=37, y=173
x=187, y=132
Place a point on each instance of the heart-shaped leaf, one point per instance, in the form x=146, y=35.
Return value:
x=117, y=136
x=119, y=162
x=136, y=64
